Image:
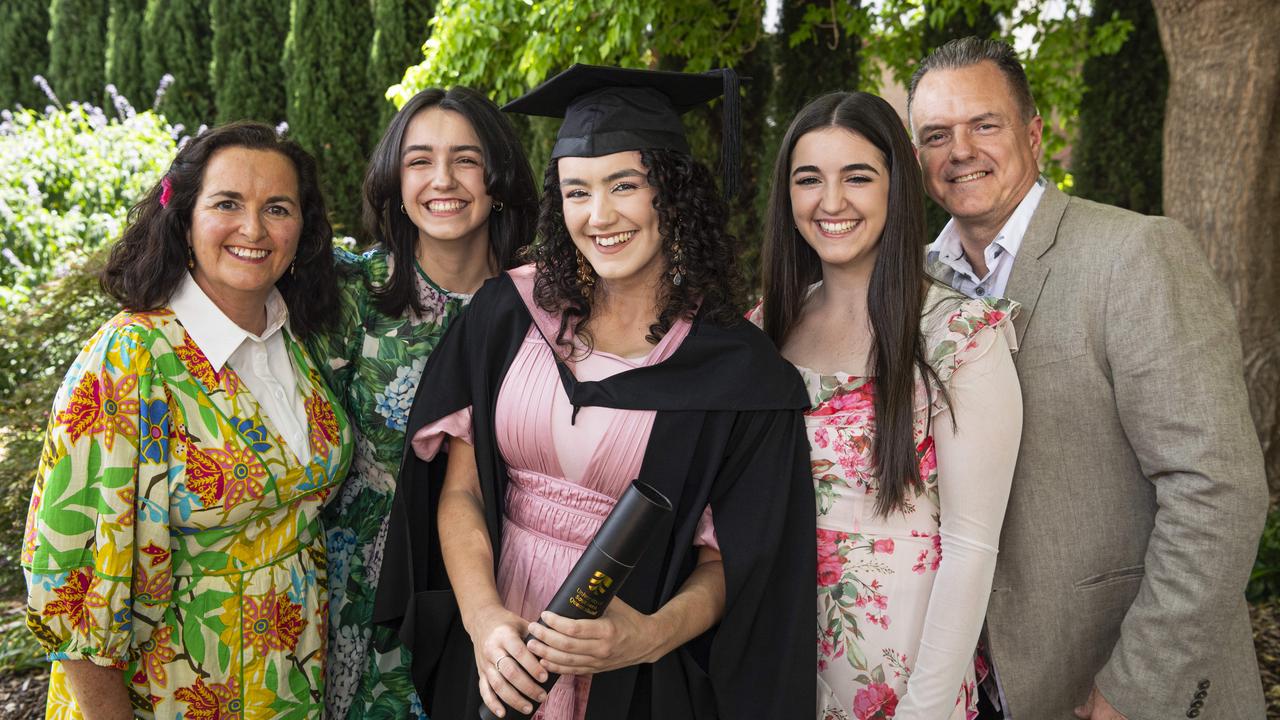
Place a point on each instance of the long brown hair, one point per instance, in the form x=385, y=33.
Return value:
x=149, y=261
x=895, y=297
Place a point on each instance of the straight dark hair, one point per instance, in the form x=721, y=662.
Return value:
x=895, y=297
x=148, y=262
x=507, y=178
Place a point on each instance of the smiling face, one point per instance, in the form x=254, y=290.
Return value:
x=839, y=195
x=609, y=212
x=978, y=155
x=245, y=225
x=442, y=182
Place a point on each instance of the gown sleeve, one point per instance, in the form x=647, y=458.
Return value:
x=976, y=445
x=96, y=551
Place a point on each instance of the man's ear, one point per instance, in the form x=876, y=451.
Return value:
x=1035, y=132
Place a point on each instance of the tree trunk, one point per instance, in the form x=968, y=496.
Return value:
x=1222, y=171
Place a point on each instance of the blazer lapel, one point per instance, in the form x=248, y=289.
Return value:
x=1029, y=270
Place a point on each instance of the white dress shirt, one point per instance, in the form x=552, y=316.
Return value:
x=998, y=256
x=262, y=362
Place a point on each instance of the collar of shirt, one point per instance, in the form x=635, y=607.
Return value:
x=947, y=249
x=213, y=332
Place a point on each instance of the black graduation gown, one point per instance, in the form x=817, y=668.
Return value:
x=728, y=432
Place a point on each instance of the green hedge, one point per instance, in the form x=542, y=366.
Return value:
x=178, y=38
x=24, y=51
x=400, y=27
x=77, y=48
x=1118, y=156
x=248, y=42
x=125, y=40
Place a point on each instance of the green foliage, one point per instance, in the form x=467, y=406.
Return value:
x=77, y=48
x=400, y=27
x=248, y=42
x=1118, y=158
x=24, y=51
x=1061, y=42
x=329, y=107
x=66, y=181
x=178, y=38
x=471, y=43
x=125, y=67
x=1264, y=583
x=823, y=62
x=38, y=341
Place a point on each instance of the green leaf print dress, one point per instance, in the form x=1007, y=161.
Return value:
x=373, y=362
x=173, y=535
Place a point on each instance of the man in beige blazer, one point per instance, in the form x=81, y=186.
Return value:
x=1139, y=492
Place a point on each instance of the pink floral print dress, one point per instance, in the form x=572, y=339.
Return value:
x=876, y=575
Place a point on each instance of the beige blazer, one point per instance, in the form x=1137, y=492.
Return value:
x=1139, y=493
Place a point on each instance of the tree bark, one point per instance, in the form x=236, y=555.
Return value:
x=1222, y=172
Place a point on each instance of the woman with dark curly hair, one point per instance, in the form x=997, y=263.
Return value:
x=618, y=354
x=174, y=554
x=450, y=200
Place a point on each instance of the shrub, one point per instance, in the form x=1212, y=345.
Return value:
x=125, y=40
x=177, y=43
x=78, y=48
x=67, y=179
x=1118, y=157
x=247, y=77
x=24, y=51
x=400, y=27
x=331, y=108
x=1264, y=583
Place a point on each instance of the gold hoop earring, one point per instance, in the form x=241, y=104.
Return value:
x=402, y=210
x=497, y=206
x=586, y=276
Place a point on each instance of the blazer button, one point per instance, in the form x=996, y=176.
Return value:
x=1204, y=685
x=1193, y=713
x=1201, y=694
x=1197, y=704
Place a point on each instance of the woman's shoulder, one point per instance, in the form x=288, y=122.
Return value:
x=957, y=329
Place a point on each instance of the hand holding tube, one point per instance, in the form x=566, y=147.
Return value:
x=604, y=565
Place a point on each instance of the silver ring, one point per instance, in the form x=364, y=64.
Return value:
x=498, y=664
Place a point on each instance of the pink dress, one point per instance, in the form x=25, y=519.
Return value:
x=566, y=474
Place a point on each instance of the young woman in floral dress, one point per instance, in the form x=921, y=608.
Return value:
x=450, y=199
x=174, y=554
x=915, y=417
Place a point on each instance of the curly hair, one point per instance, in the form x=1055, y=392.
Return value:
x=507, y=179
x=690, y=210
x=149, y=261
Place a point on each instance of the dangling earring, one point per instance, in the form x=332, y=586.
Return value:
x=497, y=206
x=293, y=266
x=586, y=277
x=677, y=262
x=402, y=210
x=191, y=258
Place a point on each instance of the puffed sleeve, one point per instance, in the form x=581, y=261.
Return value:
x=96, y=552
x=976, y=445
x=336, y=349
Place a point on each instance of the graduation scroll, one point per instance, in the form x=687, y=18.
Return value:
x=604, y=565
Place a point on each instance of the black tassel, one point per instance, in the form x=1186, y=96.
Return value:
x=731, y=142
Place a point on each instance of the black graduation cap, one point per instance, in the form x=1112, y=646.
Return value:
x=611, y=109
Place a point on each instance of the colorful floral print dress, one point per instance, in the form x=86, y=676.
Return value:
x=876, y=574
x=172, y=533
x=373, y=362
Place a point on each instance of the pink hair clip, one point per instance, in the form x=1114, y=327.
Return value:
x=166, y=192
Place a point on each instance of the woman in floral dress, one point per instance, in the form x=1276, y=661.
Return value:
x=914, y=422
x=174, y=556
x=450, y=198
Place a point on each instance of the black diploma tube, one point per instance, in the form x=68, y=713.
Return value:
x=604, y=565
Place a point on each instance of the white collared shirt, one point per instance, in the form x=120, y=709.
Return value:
x=998, y=256
x=262, y=362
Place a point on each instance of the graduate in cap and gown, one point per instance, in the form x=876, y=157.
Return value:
x=618, y=354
